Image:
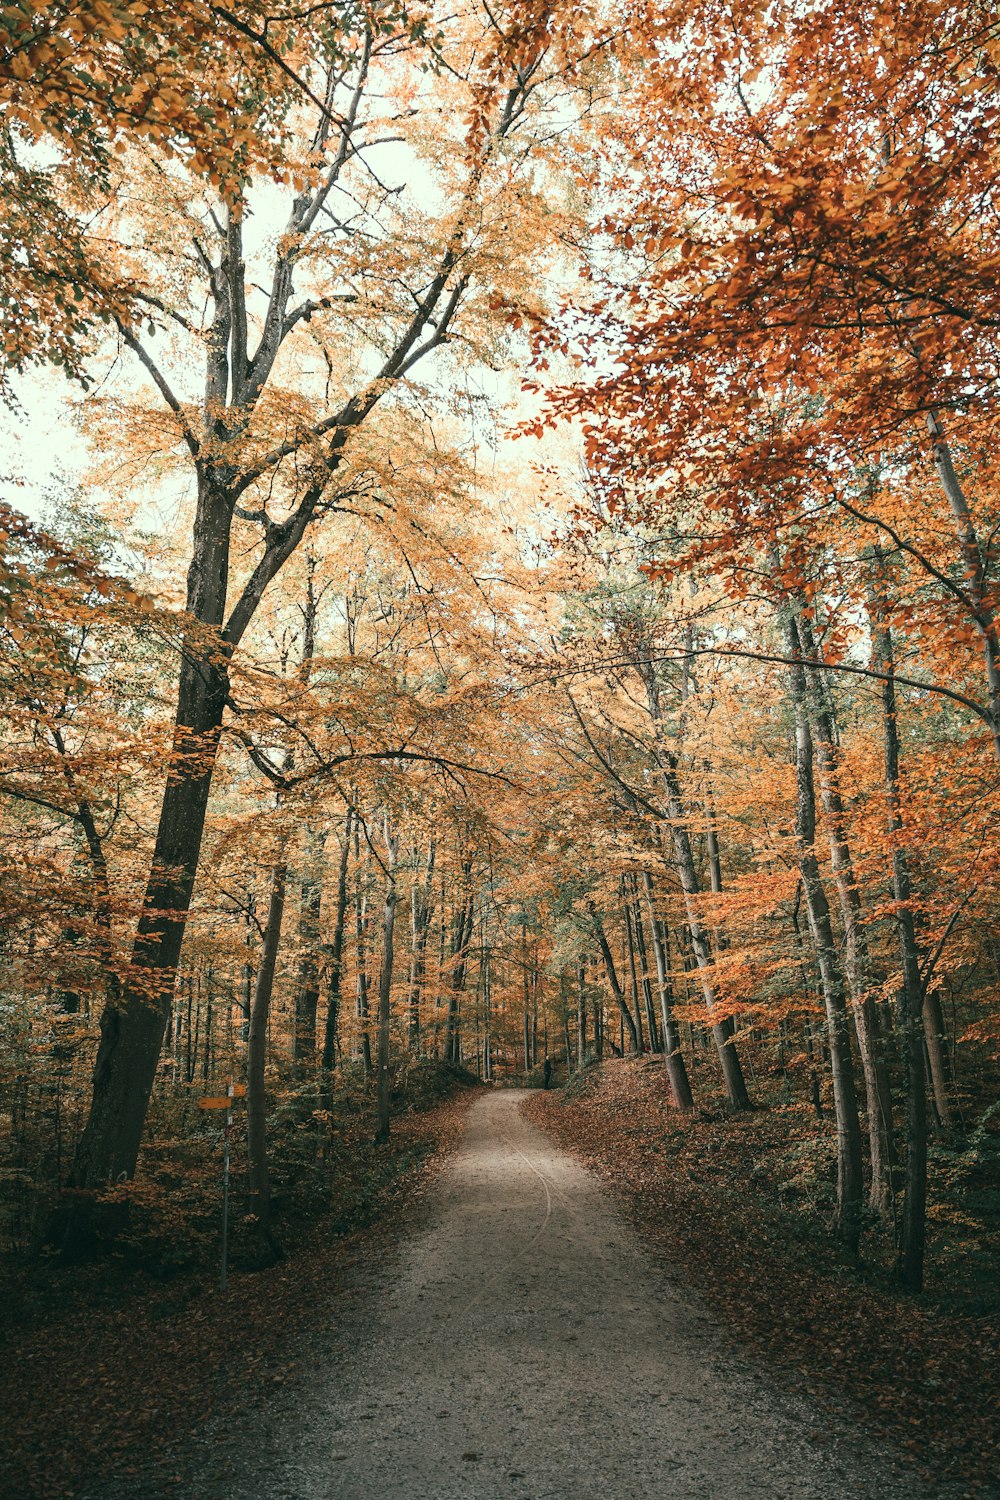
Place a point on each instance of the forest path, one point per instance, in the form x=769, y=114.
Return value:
x=523, y=1343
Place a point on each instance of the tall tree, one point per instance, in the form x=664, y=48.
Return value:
x=245, y=444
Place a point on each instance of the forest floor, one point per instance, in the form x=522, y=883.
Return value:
x=498, y=1328
x=515, y=1338
x=730, y=1205
x=105, y=1365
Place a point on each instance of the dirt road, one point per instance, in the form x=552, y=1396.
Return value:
x=523, y=1344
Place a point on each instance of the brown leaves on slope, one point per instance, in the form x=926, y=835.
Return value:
x=927, y=1380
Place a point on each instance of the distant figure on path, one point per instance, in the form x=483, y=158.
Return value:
x=547, y=1072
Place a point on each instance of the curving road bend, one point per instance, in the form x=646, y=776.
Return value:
x=524, y=1344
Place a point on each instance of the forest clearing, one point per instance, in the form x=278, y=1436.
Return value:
x=499, y=748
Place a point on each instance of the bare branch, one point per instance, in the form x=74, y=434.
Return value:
x=160, y=381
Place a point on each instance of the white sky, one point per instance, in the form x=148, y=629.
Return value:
x=42, y=446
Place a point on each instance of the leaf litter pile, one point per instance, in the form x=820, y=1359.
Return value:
x=103, y=1374
x=716, y=1198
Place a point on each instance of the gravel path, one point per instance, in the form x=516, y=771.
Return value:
x=524, y=1344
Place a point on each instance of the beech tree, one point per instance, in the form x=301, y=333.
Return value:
x=265, y=470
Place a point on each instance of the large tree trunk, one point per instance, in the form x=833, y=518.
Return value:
x=878, y=1097
x=385, y=993
x=260, y=1178
x=680, y=1086
x=849, y=1172
x=910, y=1266
x=134, y=1020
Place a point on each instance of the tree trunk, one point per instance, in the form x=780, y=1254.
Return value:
x=487, y=1016
x=461, y=938
x=385, y=991
x=850, y=1185
x=910, y=1264
x=815, y=1091
x=609, y=964
x=206, y=1061
x=307, y=991
x=937, y=1058
x=260, y=1180
x=598, y=1026
x=581, y=1017
x=643, y=961
x=857, y=965
x=732, y=1071
x=630, y=952
x=722, y=1032
x=360, y=957
x=420, y=927
x=134, y=1020
x=976, y=564
x=336, y=962
x=680, y=1086
x=534, y=1010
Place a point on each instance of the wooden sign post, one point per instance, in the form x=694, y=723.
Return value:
x=224, y=1101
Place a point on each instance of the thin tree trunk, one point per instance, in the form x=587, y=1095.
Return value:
x=729, y=1059
x=461, y=938
x=857, y=965
x=581, y=1017
x=937, y=1058
x=385, y=989
x=189, y=1031
x=609, y=964
x=722, y=1031
x=420, y=927
x=975, y=562
x=206, y=1061
x=680, y=1086
x=630, y=952
x=307, y=990
x=684, y=864
x=850, y=1186
x=564, y=1003
x=598, y=1026
x=910, y=1265
x=815, y=1091
x=360, y=956
x=643, y=961
x=259, y=1175
x=487, y=1014
x=336, y=962
x=534, y=1010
